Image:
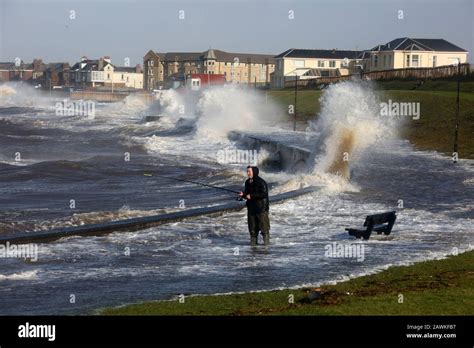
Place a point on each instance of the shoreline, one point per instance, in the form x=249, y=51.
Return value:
x=434, y=287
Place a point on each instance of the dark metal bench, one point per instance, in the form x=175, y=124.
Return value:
x=380, y=223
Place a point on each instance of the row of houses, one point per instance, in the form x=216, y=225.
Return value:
x=102, y=73
x=294, y=63
x=400, y=53
x=161, y=70
x=235, y=67
x=85, y=73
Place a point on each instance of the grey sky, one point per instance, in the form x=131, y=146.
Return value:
x=129, y=28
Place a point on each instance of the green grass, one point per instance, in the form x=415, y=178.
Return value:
x=467, y=85
x=307, y=101
x=437, y=287
x=434, y=130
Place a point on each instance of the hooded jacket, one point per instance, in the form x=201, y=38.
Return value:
x=257, y=188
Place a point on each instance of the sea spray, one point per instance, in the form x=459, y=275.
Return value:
x=349, y=124
x=15, y=94
x=227, y=108
x=212, y=113
x=170, y=103
x=220, y=109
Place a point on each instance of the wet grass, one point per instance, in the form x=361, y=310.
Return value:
x=435, y=128
x=437, y=287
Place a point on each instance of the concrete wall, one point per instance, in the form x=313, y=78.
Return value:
x=98, y=96
x=288, y=157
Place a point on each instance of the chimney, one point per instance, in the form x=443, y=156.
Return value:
x=37, y=63
x=101, y=64
x=138, y=68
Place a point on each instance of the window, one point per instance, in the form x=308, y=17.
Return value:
x=390, y=61
x=407, y=64
x=298, y=63
x=152, y=62
x=122, y=76
x=415, y=60
x=384, y=60
x=376, y=61
x=434, y=61
x=332, y=63
x=108, y=76
x=280, y=64
x=320, y=63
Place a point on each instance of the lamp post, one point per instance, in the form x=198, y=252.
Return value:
x=296, y=95
x=361, y=68
x=456, y=125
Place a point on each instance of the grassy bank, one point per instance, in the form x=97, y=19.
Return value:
x=439, y=287
x=435, y=128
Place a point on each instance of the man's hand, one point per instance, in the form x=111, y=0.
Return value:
x=241, y=194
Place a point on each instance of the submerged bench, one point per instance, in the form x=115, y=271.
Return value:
x=380, y=223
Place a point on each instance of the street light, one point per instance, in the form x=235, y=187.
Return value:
x=456, y=127
x=296, y=94
x=361, y=67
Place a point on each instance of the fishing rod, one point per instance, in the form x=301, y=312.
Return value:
x=192, y=182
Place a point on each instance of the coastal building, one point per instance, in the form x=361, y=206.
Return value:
x=406, y=52
x=16, y=71
x=236, y=67
x=102, y=73
x=307, y=64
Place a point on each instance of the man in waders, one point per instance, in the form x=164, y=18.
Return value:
x=256, y=194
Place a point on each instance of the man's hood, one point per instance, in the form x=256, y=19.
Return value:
x=255, y=171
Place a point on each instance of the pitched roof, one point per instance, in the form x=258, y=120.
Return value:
x=128, y=69
x=183, y=56
x=409, y=44
x=315, y=53
x=221, y=56
x=90, y=64
x=209, y=54
x=13, y=66
x=56, y=66
x=161, y=56
x=6, y=65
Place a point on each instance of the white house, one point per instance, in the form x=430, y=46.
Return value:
x=405, y=52
x=102, y=72
x=311, y=63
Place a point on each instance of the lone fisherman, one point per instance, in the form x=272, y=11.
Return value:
x=256, y=194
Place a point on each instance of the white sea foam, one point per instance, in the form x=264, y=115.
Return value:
x=349, y=124
x=26, y=275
